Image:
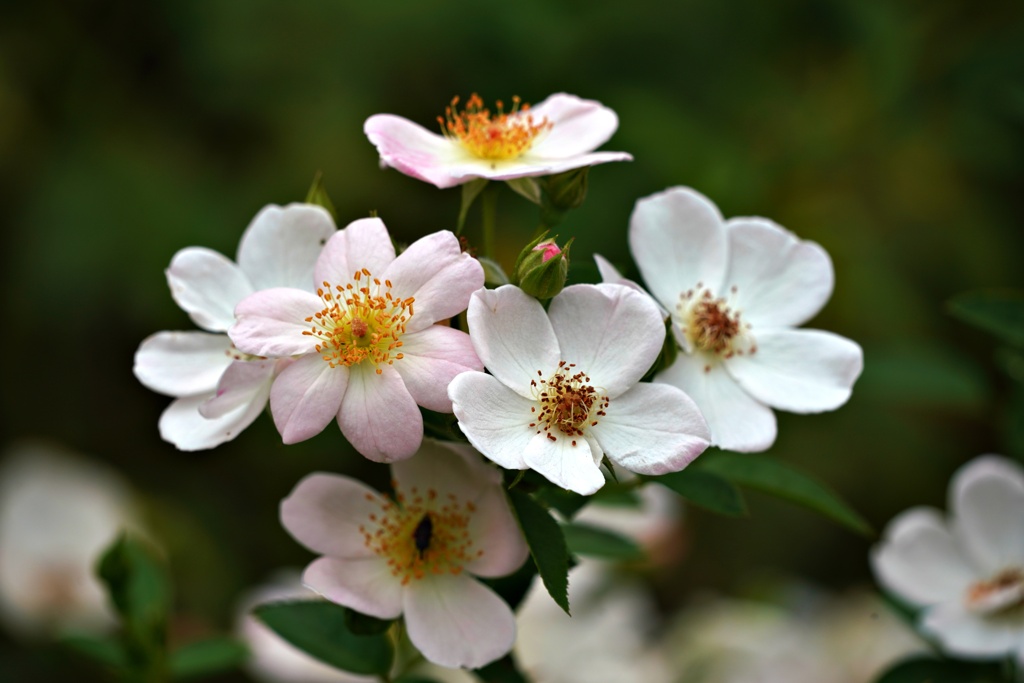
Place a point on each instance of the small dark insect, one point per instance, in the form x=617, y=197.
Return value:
x=421, y=535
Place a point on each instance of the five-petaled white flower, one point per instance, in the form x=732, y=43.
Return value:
x=564, y=389
x=557, y=135
x=368, y=348
x=967, y=573
x=413, y=555
x=735, y=290
x=220, y=390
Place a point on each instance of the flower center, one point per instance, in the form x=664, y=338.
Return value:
x=360, y=322
x=421, y=534
x=496, y=137
x=712, y=325
x=568, y=403
x=1002, y=592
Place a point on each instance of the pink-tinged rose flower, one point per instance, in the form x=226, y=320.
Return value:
x=220, y=390
x=967, y=571
x=366, y=347
x=565, y=391
x=415, y=555
x=557, y=135
x=735, y=290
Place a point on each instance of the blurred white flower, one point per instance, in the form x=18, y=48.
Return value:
x=655, y=524
x=968, y=572
x=273, y=659
x=608, y=637
x=58, y=512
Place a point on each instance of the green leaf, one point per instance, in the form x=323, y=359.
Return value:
x=320, y=629
x=502, y=671
x=764, y=474
x=470, y=191
x=592, y=541
x=566, y=502
x=140, y=589
x=924, y=669
x=318, y=195
x=1000, y=312
x=108, y=652
x=207, y=657
x=547, y=546
x=708, y=490
x=365, y=625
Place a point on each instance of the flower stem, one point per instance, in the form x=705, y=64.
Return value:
x=489, y=211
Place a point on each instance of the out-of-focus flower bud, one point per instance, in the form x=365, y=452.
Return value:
x=564, y=191
x=542, y=268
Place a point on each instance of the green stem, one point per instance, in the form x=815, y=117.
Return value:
x=489, y=210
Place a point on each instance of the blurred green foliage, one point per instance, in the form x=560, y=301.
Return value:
x=890, y=132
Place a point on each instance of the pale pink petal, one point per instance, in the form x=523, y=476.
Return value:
x=182, y=425
x=652, y=429
x=920, y=561
x=962, y=633
x=738, y=422
x=987, y=498
x=281, y=245
x=324, y=512
x=242, y=383
x=456, y=621
x=363, y=243
x=272, y=322
x=496, y=533
x=433, y=357
x=530, y=165
x=610, y=275
x=306, y=396
x=207, y=286
x=513, y=337
x=182, y=363
x=567, y=462
x=678, y=241
x=364, y=584
x=440, y=277
x=611, y=332
x=779, y=280
x=494, y=418
x=579, y=126
x=414, y=150
x=803, y=371
x=379, y=416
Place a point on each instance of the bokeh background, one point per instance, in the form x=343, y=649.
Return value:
x=890, y=132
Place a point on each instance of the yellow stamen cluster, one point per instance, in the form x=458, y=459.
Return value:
x=360, y=321
x=490, y=136
x=422, y=533
x=568, y=403
x=712, y=325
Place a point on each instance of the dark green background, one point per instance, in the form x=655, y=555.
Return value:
x=891, y=133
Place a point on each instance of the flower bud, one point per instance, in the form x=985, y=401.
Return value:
x=565, y=191
x=542, y=268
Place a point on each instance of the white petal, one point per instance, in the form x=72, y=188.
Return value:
x=987, y=497
x=678, y=240
x=207, y=286
x=272, y=322
x=494, y=418
x=512, y=336
x=780, y=280
x=567, y=462
x=365, y=584
x=324, y=512
x=803, y=371
x=182, y=363
x=433, y=357
x=182, y=425
x=306, y=396
x=379, y=416
x=579, y=126
x=281, y=246
x=738, y=422
x=364, y=243
x=242, y=383
x=611, y=332
x=413, y=150
x=611, y=275
x=652, y=429
x=919, y=559
x=969, y=635
x=440, y=277
x=456, y=621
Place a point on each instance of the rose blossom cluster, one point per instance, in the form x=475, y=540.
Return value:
x=338, y=325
